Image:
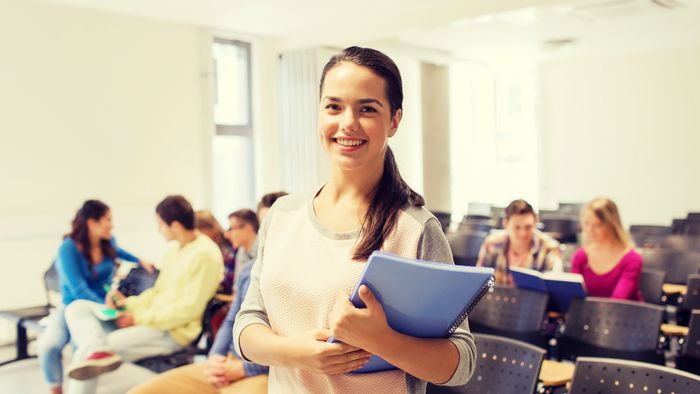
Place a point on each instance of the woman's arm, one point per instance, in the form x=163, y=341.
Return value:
x=448, y=361
x=627, y=286
x=578, y=261
x=432, y=360
x=68, y=265
x=255, y=341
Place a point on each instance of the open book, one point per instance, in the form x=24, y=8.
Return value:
x=561, y=286
x=420, y=298
x=104, y=313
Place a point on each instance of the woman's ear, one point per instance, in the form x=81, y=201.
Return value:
x=395, y=120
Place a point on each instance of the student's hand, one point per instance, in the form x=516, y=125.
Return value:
x=361, y=327
x=222, y=371
x=148, y=266
x=310, y=351
x=214, y=370
x=124, y=319
x=115, y=299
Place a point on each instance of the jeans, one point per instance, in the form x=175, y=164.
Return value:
x=51, y=343
x=91, y=335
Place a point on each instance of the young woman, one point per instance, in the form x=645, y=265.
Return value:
x=608, y=262
x=313, y=249
x=85, y=263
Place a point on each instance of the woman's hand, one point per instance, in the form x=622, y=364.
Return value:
x=310, y=351
x=148, y=266
x=366, y=327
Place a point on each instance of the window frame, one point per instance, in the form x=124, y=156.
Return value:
x=246, y=129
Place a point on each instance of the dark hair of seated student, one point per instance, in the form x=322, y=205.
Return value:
x=176, y=209
x=519, y=207
x=247, y=216
x=91, y=210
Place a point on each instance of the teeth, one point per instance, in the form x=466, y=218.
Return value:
x=347, y=142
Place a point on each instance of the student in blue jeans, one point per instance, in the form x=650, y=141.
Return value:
x=86, y=263
x=221, y=374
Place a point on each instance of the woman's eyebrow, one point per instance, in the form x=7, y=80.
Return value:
x=370, y=101
x=360, y=101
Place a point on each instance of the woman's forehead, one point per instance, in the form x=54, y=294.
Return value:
x=348, y=79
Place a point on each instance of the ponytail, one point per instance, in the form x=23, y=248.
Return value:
x=390, y=196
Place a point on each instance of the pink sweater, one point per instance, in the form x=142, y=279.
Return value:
x=621, y=282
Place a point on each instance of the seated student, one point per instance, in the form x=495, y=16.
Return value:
x=207, y=224
x=243, y=233
x=85, y=264
x=608, y=262
x=224, y=371
x=519, y=245
x=220, y=374
x=162, y=319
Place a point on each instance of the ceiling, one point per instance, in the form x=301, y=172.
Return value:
x=485, y=29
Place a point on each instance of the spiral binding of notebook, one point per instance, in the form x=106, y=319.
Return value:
x=468, y=308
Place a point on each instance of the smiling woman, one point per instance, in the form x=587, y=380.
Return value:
x=365, y=206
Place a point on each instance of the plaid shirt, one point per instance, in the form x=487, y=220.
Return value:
x=544, y=255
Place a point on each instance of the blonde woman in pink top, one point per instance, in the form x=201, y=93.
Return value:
x=313, y=249
x=608, y=262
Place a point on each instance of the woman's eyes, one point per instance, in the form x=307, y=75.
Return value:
x=364, y=109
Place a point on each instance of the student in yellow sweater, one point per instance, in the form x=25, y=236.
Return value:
x=160, y=320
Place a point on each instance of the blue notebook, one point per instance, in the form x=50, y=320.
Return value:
x=421, y=298
x=561, y=286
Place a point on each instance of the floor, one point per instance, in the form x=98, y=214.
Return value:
x=24, y=377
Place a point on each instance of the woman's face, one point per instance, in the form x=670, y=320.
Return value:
x=354, y=118
x=102, y=227
x=593, y=228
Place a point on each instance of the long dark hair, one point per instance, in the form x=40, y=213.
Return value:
x=392, y=193
x=91, y=209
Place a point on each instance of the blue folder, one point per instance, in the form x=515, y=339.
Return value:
x=561, y=286
x=420, y=298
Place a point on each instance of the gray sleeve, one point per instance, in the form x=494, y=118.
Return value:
x=253, y=309
x=433, y=246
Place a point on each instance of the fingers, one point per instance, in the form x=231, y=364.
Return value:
x=322, y=334
x=368, y=297
x=347, y=358
x=338, y=348
x=340, y=369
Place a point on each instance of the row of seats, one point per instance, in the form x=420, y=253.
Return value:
x=506, y=366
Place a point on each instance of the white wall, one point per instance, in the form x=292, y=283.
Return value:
x=627, y=127
x=92, y=105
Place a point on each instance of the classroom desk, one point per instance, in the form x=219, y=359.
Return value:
x=671, y=289
x=674, y=330
x=554, y=373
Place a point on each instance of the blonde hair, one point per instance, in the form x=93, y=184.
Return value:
x=606, y=211
x=205, y=222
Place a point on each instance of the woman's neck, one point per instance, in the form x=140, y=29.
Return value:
x=604, y=246
x=94, y=242
x=357, y=184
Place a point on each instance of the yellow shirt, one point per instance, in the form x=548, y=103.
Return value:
x=188, y=279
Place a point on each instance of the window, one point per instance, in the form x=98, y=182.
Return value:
x=232, y=87
x=233, y=181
